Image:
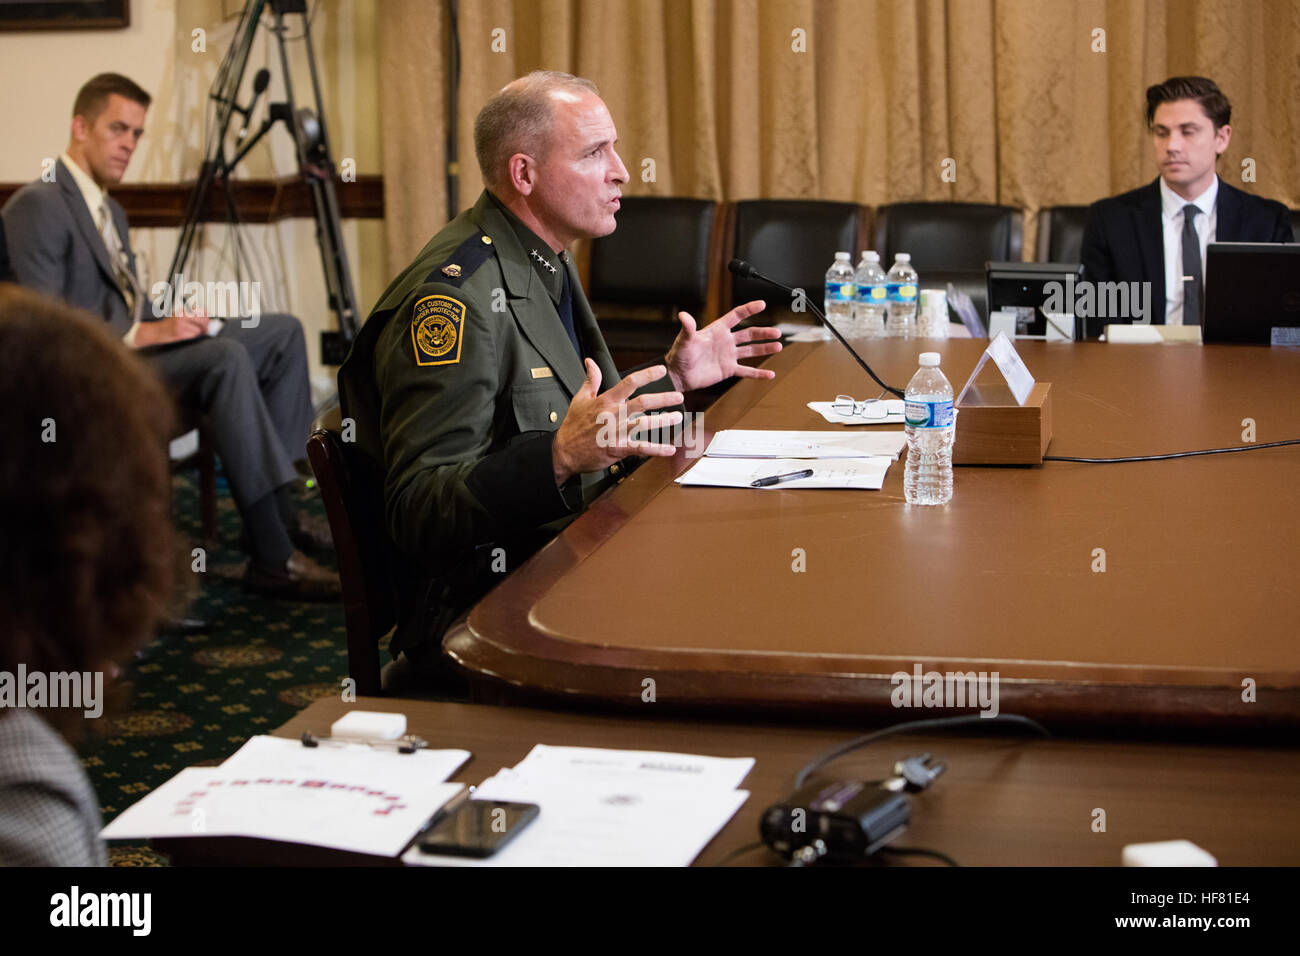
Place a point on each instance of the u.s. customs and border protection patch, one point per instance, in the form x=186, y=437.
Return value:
x=437, y=330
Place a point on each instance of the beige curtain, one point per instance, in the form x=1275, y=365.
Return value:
x=1025, y=102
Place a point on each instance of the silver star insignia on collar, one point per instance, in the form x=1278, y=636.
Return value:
x=544, y=261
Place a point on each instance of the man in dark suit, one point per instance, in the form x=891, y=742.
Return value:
x=1158, y=233
x=70, y=239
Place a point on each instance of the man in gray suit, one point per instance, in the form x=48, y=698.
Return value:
x=69, y=238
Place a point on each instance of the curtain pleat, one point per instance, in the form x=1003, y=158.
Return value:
x=1021, y=102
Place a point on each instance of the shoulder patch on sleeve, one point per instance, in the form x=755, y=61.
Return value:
x=437, y=330
x=463, y=262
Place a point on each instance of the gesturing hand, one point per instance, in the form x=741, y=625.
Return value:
x=704, y=357
x=592, y=435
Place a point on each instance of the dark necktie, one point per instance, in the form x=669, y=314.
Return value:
x=565, y=306
x=1191, y=267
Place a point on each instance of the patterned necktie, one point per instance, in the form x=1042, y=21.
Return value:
x=117, y=255
x=1191, y=267
x=565, y=306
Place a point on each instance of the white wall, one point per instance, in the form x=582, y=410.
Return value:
x=42, y=71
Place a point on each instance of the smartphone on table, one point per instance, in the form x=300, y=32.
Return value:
x=477, y=828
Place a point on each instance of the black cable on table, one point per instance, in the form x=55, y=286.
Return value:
x=917, y=851
x=1177, y=454
x=911, y=727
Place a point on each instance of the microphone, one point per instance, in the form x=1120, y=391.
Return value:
x=260, y=82
x=742, y=269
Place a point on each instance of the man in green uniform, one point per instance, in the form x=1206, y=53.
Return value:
x=481, y=383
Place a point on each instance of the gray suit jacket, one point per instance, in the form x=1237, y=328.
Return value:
x=54, y=247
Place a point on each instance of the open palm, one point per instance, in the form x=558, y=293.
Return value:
x=703, y=357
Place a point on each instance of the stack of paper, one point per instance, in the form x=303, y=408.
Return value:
x=610, y=807
x=748, y=443
x=346, y=798
x=736, y=458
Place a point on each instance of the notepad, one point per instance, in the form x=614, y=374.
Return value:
x=750, y=443
x=865, y=473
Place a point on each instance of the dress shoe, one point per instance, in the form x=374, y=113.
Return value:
x=312, y=534
x=301, y=580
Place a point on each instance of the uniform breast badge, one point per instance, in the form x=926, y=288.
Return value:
x=438, y=330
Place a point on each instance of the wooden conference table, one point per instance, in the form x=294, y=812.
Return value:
x=698, y=588
x=1009, y=800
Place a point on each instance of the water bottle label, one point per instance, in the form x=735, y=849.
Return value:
x=840, y=291
x=928, y=414
x=904, y=292
x=879, y=293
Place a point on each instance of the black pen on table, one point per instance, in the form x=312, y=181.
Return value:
x=779, y=479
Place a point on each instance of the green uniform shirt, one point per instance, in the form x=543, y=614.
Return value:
x=457, y=383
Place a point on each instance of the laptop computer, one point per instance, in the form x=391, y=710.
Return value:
x=1022, y=288
x=1252, y=293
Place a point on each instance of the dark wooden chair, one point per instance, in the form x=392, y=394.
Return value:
x=206, y=460
x=791, y=240
x=351, y=486
x=951, y=242
x=1060, y=233
x=663, y=258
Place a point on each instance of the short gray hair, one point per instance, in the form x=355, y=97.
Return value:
x=517, y=119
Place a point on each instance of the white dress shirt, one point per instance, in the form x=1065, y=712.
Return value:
x=1171, y=218
x=96, y=199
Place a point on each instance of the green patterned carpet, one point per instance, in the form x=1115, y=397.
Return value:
x=197, y=699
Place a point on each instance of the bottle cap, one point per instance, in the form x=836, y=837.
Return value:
x=929, y=360
x=843, y=255
x=903, y=257
x=871, y=256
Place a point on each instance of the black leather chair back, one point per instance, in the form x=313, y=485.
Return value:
x=1060, y=233
x=658, y=255
x=352, y=489
x=948, y=236
x=792, y=240
x=1295, y=223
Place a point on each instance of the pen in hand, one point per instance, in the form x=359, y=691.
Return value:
x=779, y=479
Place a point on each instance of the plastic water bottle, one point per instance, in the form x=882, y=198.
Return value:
x=931, y=428
x=838, y=303
x=902, y=298
x=873, y=293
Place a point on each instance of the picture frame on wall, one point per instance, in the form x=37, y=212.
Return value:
x=64, y=14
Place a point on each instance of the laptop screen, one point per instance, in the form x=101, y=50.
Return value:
x=1252, y=293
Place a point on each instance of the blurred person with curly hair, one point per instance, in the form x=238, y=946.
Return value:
x=86, y=557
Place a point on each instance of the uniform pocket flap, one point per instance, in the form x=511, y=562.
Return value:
x=539, y=406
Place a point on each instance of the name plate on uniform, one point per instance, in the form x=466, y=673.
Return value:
x=543, y=372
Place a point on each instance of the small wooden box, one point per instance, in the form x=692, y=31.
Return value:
x=993, y=430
